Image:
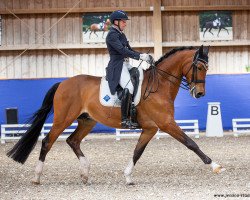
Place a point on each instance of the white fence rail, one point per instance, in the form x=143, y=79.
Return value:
x=190, y=127
x=15, y=131
x=241, y=126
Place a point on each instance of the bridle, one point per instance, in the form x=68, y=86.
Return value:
x=154, y=71
x=194, y=67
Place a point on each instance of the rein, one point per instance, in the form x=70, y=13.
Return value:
x=154, y=71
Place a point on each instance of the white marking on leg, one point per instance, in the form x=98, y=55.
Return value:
x=38, y=172
x=217, y=168
x=84, y=168
x=128, y=172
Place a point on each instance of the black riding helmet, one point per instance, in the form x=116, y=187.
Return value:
x=118, y=15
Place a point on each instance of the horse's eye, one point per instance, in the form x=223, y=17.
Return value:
x=199, y=68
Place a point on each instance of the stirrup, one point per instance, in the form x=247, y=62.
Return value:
x=127, y=124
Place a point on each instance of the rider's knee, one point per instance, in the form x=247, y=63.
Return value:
x=127, y=90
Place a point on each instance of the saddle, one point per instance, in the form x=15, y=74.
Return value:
x=107, y=99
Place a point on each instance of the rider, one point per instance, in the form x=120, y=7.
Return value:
x=102, y=22
x=216, y=21
x=118, y=66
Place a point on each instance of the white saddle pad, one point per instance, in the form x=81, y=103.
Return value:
x=107, y=99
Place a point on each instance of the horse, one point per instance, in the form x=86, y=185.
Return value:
x=77, y=98
x=103, y=26
x=222, y=25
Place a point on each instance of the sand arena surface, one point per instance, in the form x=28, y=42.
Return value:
x=166, y=170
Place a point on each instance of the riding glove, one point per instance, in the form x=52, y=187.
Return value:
x=149, y=59
x=145, y=67
x=145, y=57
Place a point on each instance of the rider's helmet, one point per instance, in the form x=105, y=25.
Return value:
x=118, y=15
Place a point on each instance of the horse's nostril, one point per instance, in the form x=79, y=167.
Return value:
x=199, y=94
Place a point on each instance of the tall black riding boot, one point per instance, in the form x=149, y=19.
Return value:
x=125, y=110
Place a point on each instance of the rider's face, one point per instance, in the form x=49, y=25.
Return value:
x=122, y=24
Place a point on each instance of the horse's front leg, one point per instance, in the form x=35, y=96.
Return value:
x=175, y=131
x=95, y=33
x=226, y=30
x=144, y=139
x=218, y=32
x=210, y=31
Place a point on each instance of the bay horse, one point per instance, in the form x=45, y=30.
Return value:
x=209, y=26
x=78, y=98
x=103, y=26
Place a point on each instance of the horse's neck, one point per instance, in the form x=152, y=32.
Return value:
x=173, y=66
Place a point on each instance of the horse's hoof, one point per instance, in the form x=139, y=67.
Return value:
x=84, y=179
x=130, y=183
x=35, y=182
x=219, y=170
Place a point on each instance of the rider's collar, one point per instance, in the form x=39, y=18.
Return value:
x=116, y=27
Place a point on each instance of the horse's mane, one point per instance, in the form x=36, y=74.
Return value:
x=173, y=51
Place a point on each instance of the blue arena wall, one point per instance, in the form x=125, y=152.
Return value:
x=231, y=90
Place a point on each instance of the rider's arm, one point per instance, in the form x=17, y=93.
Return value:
x=114, y=42
x=130, y=48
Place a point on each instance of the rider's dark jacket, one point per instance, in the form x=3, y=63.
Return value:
x=119, y=49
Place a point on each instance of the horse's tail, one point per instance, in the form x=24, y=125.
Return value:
x=203, y=26
x=26, y=144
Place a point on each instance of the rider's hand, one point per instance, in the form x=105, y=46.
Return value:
x=145, y=67
x=145, y=57
x=148, y=58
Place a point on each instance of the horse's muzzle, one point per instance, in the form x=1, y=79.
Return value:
x=199, y=94
x=196, y=94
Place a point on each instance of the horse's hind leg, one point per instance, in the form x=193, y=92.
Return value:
x=85, y=125
x=205, y=32
x=47, y=143
x=64, y=114
x=174, y=130
x=144, y=139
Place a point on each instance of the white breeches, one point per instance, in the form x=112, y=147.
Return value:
x=125, y=81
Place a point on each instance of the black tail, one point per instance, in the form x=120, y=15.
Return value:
x=202, y=27
x=20, y=152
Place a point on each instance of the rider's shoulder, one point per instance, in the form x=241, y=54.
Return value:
x=113, y=33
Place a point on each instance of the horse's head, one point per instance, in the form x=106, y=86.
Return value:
x=196, y=71
x=226, y=20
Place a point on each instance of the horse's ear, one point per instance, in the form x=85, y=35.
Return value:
x=201, y=50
